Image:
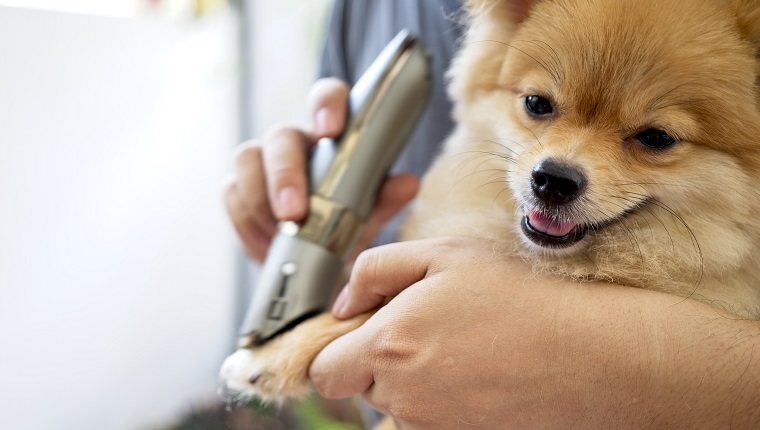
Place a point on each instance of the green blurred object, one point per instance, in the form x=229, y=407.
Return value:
x=312, y=413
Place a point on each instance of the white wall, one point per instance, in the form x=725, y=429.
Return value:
x=287, y=43
x=121, y=8
x=116, y=260
x=174, y=9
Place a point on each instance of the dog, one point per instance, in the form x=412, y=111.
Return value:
x=596, y=139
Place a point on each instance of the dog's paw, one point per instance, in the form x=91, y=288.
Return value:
x=264, y=373
x=279, y=369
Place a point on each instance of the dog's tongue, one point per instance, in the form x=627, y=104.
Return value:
x=550, y=226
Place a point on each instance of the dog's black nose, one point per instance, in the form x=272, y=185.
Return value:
x=557, y=183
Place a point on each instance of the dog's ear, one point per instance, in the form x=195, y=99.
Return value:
x=747, y=13
x=492, y=23
x=515, y=11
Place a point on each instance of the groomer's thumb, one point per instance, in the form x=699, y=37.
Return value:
x=383, y=272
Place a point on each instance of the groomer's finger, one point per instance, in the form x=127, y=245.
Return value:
x=286, y=148
x=396, y=193
x=246, y=200
x=250, y=184
x=328, y=104
x=255, y=240
x=384, y=272
x=284, y=154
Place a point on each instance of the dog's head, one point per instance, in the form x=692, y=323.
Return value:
x=629, y=130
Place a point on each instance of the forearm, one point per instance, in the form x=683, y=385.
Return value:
x=474, y=336
x=670, y=363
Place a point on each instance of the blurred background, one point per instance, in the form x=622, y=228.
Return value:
x=121, y=280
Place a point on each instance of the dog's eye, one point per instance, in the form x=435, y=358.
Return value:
x=538, y=106
x=656, y=139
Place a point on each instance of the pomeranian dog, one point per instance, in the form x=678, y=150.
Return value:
x=610, y=140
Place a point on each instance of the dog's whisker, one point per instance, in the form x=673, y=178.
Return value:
x=473, y=174
x=643, y=183
x=473, y=155
x=694, y=240
x=623, y=225
x=550, y=70
x=497, y=141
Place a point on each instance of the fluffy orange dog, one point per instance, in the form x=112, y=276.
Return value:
x=610, y=140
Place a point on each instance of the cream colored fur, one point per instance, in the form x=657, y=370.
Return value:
x=685, y=220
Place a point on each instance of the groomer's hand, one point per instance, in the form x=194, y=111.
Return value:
x=475, y=339
x=269, y=182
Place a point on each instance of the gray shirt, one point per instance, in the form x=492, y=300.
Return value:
x=359, y=29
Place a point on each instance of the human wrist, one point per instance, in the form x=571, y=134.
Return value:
x=710, y=361
x=647, y=359
x=604, y=350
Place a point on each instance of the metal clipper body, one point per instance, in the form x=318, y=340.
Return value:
x=305, y=260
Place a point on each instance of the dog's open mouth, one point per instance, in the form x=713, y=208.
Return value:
x=551, y=232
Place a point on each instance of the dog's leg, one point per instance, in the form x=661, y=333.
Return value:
x=279, y=369
x=386, y=424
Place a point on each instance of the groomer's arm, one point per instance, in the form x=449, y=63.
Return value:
x=269, y=182
x=475, y=339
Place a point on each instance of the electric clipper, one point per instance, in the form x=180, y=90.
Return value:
x=305, y=260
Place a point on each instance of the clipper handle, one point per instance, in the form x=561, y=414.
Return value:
x=305, y=261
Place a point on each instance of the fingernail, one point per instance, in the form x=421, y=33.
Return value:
x=325, y=121
x=339, y=307
x=288, y=202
